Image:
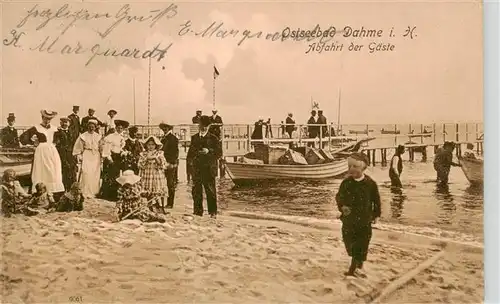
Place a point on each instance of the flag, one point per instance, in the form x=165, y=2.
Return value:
x=216, y=72
x=314, y=105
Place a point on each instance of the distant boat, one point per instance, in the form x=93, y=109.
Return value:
x=390, y=131
x=473, y=170
x=365, y=132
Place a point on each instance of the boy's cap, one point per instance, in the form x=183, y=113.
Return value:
x=360, y=157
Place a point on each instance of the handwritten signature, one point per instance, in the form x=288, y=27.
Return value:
x=122, y=15
x=221, y=31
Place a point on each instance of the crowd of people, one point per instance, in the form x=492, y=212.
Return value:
x=92, y=158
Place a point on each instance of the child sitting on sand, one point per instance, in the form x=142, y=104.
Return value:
x=358, y=200
x=41, y=201
x=71, y=200
x=13, y=195
x=131, y=203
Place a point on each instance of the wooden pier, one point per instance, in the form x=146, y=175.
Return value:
x=236, y=138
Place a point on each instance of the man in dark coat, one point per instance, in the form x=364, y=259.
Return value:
x=216, y=121
x=74, y=123
x=322, y=121
x=196, y=118
x=312, y=131
x=290, y=125
x=64, y=141
x=85, y=121
x=171, y=152
x=8, y=135
x=203, y=154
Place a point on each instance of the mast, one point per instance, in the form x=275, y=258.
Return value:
x=338, y=113
x=134, y=98
x=149, y=97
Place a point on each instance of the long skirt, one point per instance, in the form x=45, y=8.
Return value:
x=90, y=174
x=110, y=172
x=47, y=168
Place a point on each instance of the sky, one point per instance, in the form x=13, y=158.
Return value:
x=434, y=76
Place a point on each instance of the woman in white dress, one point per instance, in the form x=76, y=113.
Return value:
x=46, y=166
x=87, y=148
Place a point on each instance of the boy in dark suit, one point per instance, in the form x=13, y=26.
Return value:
x=203, y=154
x=358, y=200
x=171, y=152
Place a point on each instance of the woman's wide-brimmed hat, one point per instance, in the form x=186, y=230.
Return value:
x=205, y=121
x=112, y=111
x=155, y=139
x=122, y=123
x=48, y=114
x=92, y=121
x=128, y=177
x=133, y=129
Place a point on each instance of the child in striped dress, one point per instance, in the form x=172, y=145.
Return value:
x=152, y=165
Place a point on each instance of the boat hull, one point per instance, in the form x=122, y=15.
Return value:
x=19, y=159
x=473, y=170
x=242, y=173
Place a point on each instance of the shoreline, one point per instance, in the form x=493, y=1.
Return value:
x=231, y=259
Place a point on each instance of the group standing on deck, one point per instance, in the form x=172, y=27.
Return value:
x=79, y=154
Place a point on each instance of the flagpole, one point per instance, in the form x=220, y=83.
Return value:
x=149, y=97
x=214, y=90
x=338, y=113
x=134, y=98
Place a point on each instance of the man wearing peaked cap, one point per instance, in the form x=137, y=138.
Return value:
x=85, y=121
x=203, y=154
x=64, y=142
x=171, y=152
x=8, y=135
x=216, y=122
x=74, y=123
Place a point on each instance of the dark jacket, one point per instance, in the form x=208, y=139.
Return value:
x=322, y=121
x=257, y=131
x=290, y=125
x=170, y=148
x=85, y=122
x=362, y=197
x=9, y=138
x=215, y=130
x=64, y=141
x=204, y=163
x=313, y=131
x=74, y=125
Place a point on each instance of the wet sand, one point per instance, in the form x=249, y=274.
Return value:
x=54, y=257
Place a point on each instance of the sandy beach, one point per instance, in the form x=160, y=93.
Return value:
x=87, y=256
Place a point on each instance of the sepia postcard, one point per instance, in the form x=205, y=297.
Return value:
x=241, y=152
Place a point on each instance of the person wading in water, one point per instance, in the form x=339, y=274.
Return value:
x=396, y=167
x=443, y=162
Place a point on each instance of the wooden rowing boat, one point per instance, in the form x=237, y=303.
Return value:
x=19, y=159
x=473, y=170
x=242, y=173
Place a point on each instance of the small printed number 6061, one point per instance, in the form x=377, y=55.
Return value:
x=76, y=299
